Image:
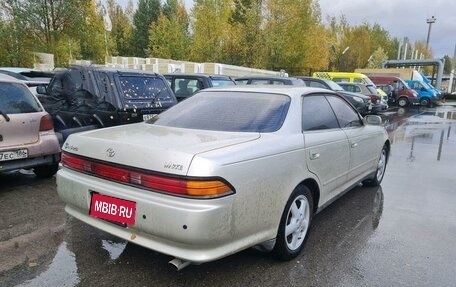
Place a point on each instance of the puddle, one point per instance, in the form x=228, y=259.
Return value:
x=61, y=272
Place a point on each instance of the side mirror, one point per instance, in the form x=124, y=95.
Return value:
x=373, y=120
x=41, y=90
x=423, y=89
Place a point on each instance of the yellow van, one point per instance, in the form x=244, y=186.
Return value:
x=347, y=77
x=344, y=77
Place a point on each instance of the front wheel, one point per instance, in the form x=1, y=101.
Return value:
x=381, y=167
x=294, y=225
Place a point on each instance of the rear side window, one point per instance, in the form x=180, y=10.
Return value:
x=228, y=111
x=17, y=99
x=144, y=88
x=317, y=114
x=346, y=115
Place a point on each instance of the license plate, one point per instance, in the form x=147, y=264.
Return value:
x=113, y=209
x=148, y=117
x=12, y=155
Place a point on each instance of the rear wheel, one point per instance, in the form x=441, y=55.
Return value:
x=45, y=171
x=402, y=102
x=381, y=167
x=294, y=225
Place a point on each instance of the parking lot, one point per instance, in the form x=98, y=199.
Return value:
x=399, y=234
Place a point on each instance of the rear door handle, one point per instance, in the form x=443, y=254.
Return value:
x=354, y=145
x=314, y=155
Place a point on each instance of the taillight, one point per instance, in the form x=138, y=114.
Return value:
x=203, y=188
x=46, y=123
x=373, y=98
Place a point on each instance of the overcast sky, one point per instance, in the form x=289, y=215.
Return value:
x=402, y=18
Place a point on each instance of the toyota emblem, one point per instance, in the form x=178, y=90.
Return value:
x=110, y=152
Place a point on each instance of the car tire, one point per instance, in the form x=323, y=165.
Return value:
x=402, y=102
x=376, y=180
x=296, y=220
x=46, y=171
x=424, y=102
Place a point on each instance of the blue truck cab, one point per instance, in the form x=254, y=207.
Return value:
x=438, y=92
x=426, y=93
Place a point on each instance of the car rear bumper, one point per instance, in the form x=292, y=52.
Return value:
x=29, y=162
x=44, y=152
x=189, y=229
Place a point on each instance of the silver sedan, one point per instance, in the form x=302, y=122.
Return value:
x=224, y=170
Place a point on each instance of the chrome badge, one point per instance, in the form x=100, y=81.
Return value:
x=110, y=152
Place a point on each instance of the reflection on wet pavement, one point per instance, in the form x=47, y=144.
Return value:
x=61, y=272
x=431, y=127
x=114, y=249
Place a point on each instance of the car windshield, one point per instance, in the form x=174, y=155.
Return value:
x=17, y=99
x=222, y=82
x=228, y=111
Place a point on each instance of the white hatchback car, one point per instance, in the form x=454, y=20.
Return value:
x=224, y=170
x=27, y=138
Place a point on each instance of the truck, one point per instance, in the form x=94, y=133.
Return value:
x=427, y=94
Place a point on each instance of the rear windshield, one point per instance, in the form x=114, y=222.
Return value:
x=17, y=99
x=144, y=88
x=228, y=111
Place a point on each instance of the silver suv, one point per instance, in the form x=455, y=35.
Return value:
x=27, y=138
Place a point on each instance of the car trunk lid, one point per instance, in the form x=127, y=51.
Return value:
x=20, y=130
x=151, y=147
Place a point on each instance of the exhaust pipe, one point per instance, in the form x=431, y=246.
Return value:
x=179, y=264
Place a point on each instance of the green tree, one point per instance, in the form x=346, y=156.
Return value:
x=146, y=14
x=92, y=35
x=121, y=30
x=448, y=64
x=292, y=36
x=15, y=50
x=376, y=59
x=46, y=23
x=169, y=37
x=246, y=40
x=210, y=29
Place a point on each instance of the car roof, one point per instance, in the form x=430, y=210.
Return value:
x=197, y=75
x=265, y=77
x=291, y=91
x=113, y=70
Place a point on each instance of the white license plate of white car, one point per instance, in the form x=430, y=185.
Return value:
x=148, y=117
x=12, y=155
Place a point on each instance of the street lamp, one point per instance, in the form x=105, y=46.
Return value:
x=430, y=21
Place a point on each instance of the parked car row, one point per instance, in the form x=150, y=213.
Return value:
x=85, y=98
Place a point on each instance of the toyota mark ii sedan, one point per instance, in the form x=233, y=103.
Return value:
x=225, y=170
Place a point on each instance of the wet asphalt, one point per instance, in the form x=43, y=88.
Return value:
x=402, y=233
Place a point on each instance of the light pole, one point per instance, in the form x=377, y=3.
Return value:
x=430, y=21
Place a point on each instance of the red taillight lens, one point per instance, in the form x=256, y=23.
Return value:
x=46, y=123
x=179, y=186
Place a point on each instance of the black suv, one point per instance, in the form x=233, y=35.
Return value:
x=185, y=85
x=84, y=98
